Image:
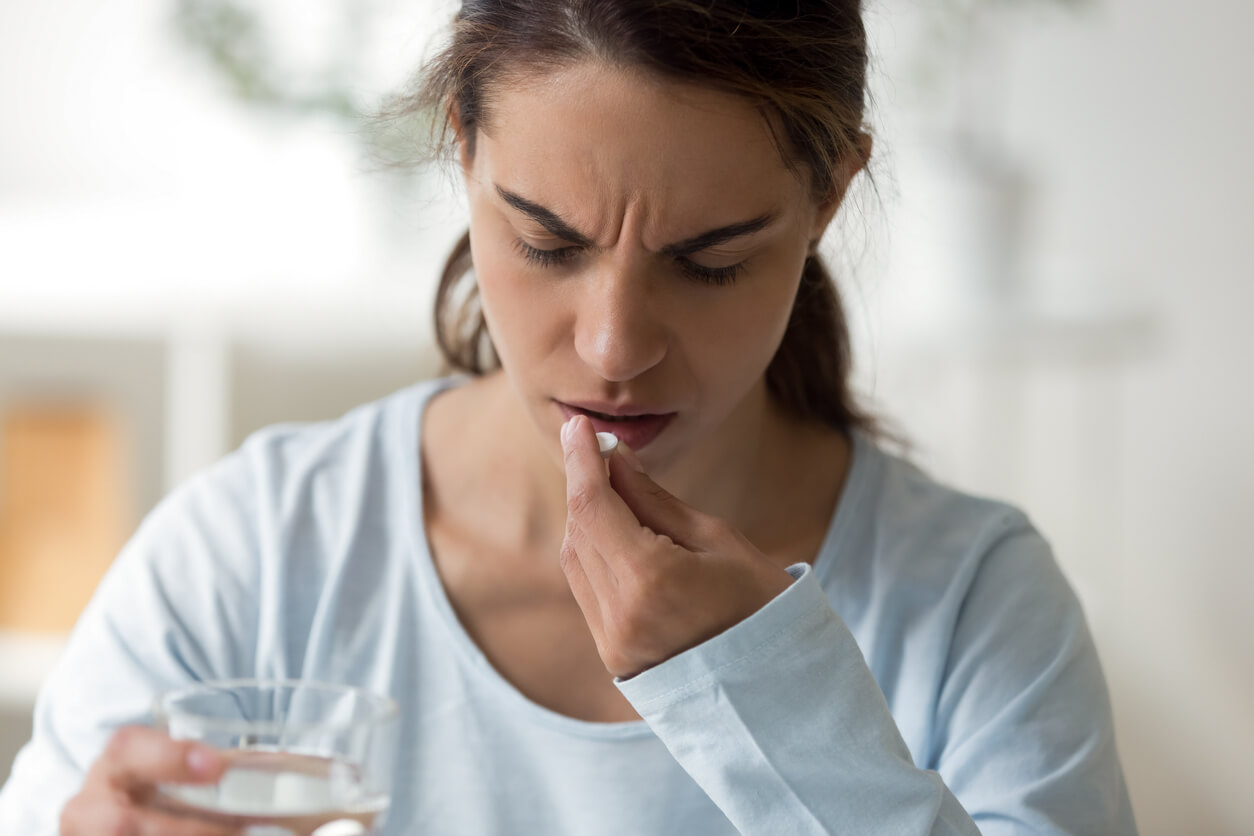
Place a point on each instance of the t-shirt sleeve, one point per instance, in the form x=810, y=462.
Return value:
x=1024, y=728
x=176, y=606
x=783, y=725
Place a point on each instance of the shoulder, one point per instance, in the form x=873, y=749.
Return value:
x=293, y=452
x=283, y=479
x=906, y=508
x=909, y=540
x=955, y=599
x=282, y=467
x=262, y=535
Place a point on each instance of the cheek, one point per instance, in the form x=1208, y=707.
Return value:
x=775, y=306
x=749, y=324
x=729, y=348
x=522, y=314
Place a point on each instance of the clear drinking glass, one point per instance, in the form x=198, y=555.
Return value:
x=306, y=758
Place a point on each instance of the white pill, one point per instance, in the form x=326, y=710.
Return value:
x=607, y=442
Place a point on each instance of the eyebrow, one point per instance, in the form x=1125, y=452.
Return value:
x=548, y=219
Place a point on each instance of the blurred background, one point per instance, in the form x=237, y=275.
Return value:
x=200, y=235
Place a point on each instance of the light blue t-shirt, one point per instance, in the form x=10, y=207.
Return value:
x=932, y=673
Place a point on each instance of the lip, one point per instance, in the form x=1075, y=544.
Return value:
x=614, y=409
x=637, y=433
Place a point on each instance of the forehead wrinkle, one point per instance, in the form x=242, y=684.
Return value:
x=633, y=181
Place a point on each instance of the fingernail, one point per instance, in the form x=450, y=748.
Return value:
x=201, y=761
x=566, y=431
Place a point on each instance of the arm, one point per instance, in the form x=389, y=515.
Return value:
x=1024, y=729
x=173, y=608
x=781, y=722
x=761, y=693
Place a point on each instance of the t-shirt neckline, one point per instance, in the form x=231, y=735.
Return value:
x=411, y=430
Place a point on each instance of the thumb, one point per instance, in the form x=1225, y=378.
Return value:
x=630, y=455
x=652, y=504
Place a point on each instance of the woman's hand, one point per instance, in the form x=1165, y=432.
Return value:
x=116, y=799
x=652, y=575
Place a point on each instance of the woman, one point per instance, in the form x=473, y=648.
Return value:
x=753, y=620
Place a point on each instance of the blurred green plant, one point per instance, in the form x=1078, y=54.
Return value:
x=959, y=65
x=252, y=54
x=955, y=27
x=237, y=45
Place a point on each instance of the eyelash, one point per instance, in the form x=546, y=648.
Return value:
x=553, y=258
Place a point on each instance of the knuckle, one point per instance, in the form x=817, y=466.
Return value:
x=659, y=493
x=568, y=557
x=647, y=578
x=122, y=741
x=582, y=502
x=656, y=544
x=175, y=752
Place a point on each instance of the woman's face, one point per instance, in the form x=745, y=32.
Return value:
x=638, y=245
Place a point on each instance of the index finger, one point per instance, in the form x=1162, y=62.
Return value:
x=591, y=501
x=138, y=757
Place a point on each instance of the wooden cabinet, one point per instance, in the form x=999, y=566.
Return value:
x=66, y=507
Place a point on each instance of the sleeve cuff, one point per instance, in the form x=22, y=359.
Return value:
x=797, y=609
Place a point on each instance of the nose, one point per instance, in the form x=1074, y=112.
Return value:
x=618, y=332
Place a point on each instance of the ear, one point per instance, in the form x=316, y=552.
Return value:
x=465, y=156
x=849, y=168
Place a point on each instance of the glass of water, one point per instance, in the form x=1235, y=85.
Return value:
x=304, y=758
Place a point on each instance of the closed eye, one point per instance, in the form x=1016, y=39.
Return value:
x=713, y=275
x=563, y=255
x=545, y=258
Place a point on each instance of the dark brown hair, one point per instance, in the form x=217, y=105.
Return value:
x=802, y=63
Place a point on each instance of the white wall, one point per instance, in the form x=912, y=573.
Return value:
x=1136, y=460
x=1154, y=179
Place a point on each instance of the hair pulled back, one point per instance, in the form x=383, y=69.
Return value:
x=802, y=63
